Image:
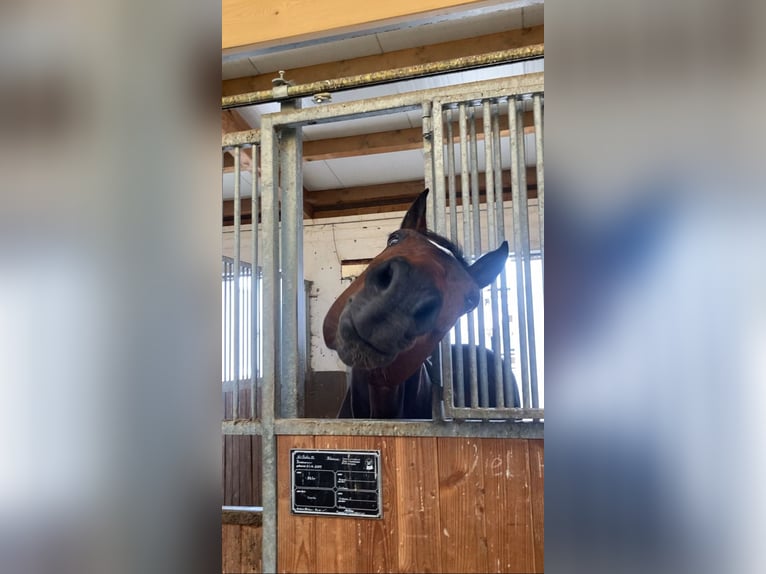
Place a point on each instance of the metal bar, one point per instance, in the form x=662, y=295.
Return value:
x=237, y=262
x=254, y=329
x=517, y=169
x=456, y=381
x=466, y=203
x=505, y=316
x=444, y=356
x=291, y=252
x=491, y=159
x=481, y=356
x=246, y=137
x=526, y=261
x=387, y=76
x=500, y=88
x=365, y=427
x=428, y=160
x=271, y=306
x=475, y=245
x=538, y=115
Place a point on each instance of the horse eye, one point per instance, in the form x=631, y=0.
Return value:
x=393, y=239
x=471, y=301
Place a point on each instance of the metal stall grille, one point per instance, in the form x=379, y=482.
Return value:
x=471, y=119
x=480, y=164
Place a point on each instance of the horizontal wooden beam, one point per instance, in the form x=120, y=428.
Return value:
x=391, y=60
x=250, y=23
x=371, y=199
x=381, y=142
x=232, y=121
x=384, y=142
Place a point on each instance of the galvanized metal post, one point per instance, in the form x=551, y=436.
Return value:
x=237, y=263
x=526, y=260
x=505, y=316
x=491, y=157
x=292, y=353
x=538, y=115
x=271, y=339
x=519, y=195
x=255, y=333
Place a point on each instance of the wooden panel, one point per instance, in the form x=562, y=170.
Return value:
x=241, y=551
x=462, y=505
x=449, y=505
x=398, y=59
x=297, y=546
x=244, y=22
x=537, y=485
x=232, y=548
x=417, y=497
x=506, y=486
x=250, y=555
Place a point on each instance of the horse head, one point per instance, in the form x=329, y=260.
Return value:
x=390, y=319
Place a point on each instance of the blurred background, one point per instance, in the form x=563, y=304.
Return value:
x=109, y=285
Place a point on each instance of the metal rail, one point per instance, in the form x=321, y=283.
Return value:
x=286, y=92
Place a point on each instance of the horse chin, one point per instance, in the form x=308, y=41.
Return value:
x=360, y=356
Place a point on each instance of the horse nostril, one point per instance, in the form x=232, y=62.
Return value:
x=426, y=311
x=382, y=276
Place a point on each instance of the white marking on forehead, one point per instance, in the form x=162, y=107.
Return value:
x=447, y=251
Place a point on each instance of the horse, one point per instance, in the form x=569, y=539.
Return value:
x=388, y=322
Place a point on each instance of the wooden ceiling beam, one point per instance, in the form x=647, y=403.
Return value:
x=390, y=60
x=381, y=142
x=245, y=23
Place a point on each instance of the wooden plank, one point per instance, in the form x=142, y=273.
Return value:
x=250, y=549
x=231, y=562
x=245, y=470
x=389, y=141
x=297, y=546
x=256, y=470
x=248, y=23
x=338, y=543
x=537, y=485
x=390, y=60
x=396, y=192
x=228, y=496
x=509, y=510
x=418, y=520
x=462, y=505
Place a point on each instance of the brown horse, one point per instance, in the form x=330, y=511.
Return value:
x=387, y=323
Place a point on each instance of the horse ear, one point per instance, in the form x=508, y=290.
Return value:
x=415, y=218
x=489, y=265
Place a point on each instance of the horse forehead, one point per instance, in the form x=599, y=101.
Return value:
x=437, y=261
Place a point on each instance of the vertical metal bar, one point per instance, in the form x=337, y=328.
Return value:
x=482, y=355
x=237, y=240
x=517, y=168
x=476, y=336
x=429, y=177
x=291, y=363
x=538, y=115
x=526, y=261
x=254, y=314
x=465, y=199
x=271, y=306
x=440, y=227
x=456, y=381
x=428, y=162
x=505, y=316
x=491, y=158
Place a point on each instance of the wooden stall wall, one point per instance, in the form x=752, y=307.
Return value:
x=449, y=505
